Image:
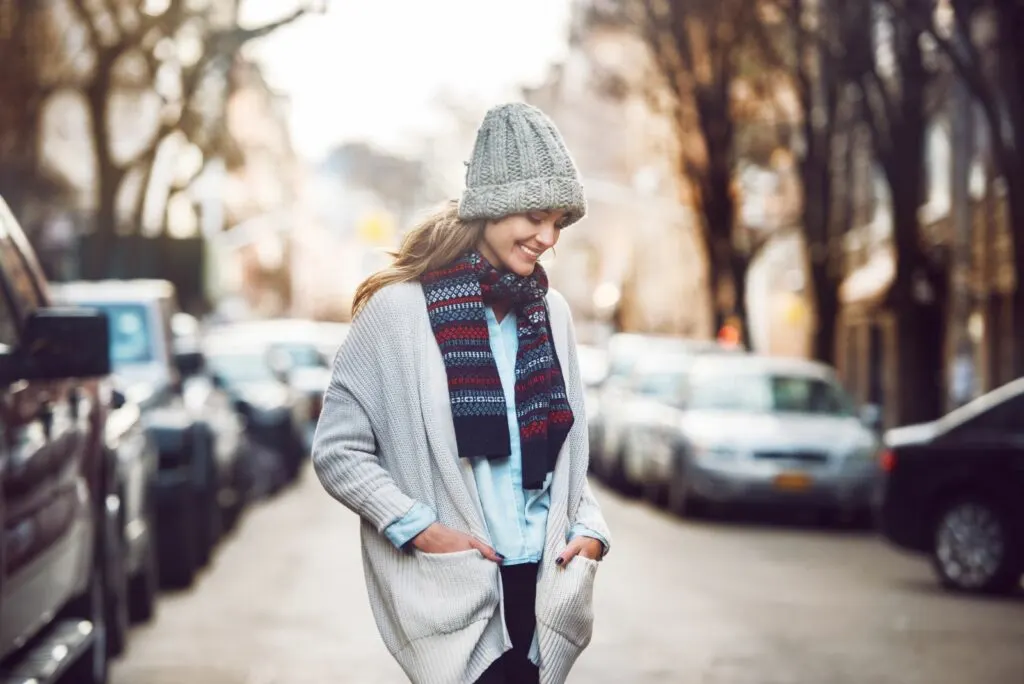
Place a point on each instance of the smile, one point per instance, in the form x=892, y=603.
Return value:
x=533, y=254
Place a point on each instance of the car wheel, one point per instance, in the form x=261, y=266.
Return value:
x=973, y=547
x=116, y=595
x=143, y=587
x=679, y=500
x=177, y=544
x=93, y=666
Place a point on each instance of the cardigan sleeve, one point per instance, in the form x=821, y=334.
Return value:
x=588, y=511
x=344, y=450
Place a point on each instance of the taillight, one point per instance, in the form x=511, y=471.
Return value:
x=887, y=460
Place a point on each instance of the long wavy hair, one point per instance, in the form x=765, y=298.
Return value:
x=438, y=240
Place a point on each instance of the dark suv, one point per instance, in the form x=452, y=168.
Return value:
x=60, y=545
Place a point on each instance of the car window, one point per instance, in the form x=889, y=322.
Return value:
x=240, y=367
x=760, y=393
x=808, y=395
x=666, y=387
x=130, y=334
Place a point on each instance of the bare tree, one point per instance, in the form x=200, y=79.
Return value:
x=187, y=47
x=984, y=41
x=702, y=50
x=807, y=39
x=25, y=86
x=885, y=52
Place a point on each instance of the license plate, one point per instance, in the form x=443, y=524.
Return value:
x=792, y=482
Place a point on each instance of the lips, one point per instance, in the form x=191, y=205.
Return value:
x=531, y=253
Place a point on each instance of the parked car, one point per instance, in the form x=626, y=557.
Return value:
x=749, y=429
x=299, y=352
x=197, y=434
x=138, y=462
x=608, y=402
x=62, y=573
x=276, y=415
x=954, y=491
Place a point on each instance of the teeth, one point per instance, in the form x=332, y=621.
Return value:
x=530, y=251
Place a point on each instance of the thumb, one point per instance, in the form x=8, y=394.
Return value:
x=489, y=553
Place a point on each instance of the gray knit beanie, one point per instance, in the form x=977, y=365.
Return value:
x=520, y=164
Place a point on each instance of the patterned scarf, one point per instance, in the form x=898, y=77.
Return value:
x=455, y=297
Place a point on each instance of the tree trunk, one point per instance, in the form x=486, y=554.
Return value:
x=740, y=269
x=920, y=318
x=104, y=260
x=826, y=311
x=816, y=219
x=1015, y=211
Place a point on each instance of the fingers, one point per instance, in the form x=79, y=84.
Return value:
x=488, y=553
x=570, y=552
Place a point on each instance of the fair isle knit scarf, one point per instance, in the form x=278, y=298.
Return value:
x=455, y=296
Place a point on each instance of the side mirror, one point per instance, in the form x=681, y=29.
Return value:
x=59, y=343
x=280, y=363
x=117, y=399
x=871, y=416
x=189, y=363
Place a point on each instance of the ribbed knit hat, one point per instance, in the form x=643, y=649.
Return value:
x=520, y=163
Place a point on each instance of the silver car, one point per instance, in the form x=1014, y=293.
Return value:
x=750, y=429
x=613, y=399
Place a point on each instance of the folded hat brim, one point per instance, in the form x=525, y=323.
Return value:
x=492, y=202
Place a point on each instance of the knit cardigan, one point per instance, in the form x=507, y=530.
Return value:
x=385, y=440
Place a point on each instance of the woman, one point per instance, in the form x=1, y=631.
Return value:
x=454, y=426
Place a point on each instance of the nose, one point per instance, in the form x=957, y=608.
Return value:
x=548, y=234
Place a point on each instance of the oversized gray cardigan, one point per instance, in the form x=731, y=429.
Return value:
x=385, y=439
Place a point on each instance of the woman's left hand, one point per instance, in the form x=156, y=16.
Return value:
x=588, y=547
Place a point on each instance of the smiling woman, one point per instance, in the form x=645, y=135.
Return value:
x=482, y=572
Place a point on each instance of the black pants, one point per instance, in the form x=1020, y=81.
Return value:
x=519, y=585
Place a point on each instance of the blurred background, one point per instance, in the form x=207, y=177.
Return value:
x=797, y=296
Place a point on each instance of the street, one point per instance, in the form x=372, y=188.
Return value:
x=283, y=602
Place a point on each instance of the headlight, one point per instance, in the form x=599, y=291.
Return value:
x=865, y=450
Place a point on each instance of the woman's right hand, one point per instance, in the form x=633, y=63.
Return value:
x=440, y=538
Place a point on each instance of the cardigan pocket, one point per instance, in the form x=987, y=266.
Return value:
x=569, y=606
x=444, y=593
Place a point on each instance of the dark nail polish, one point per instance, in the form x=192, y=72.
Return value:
x=499, y=556
x=559, y=561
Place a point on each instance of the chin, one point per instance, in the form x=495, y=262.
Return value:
x=523, y=268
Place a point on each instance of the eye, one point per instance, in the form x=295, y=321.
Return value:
x=535, y=218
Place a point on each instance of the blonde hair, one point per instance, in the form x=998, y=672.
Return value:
x=438, y=240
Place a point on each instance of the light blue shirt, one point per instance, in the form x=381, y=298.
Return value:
x=516, y=518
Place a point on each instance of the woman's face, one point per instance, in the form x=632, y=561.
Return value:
x=515, y=242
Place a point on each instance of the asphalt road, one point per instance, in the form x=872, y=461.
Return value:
x=736, y=602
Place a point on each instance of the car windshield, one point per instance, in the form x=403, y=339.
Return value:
x=767, y=393
x=131, y=339
x=593, y=365
x=240, y=367
x=668, y=387
x=301, y=355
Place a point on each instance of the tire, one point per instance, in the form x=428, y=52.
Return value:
x=974, y=547
x=94, y=665
x=208, y=518
x=116, y=578
x=144, y=586
x=679, y=500
x=617, y=474
x=178, y=561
